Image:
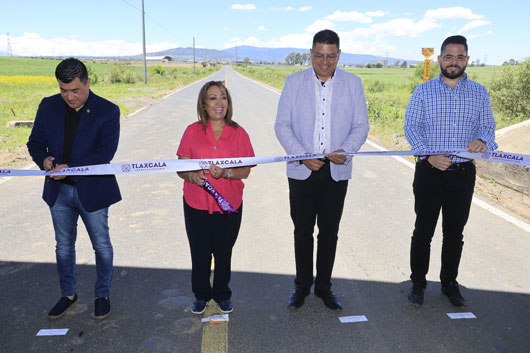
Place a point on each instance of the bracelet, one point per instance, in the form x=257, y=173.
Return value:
x=229, y=174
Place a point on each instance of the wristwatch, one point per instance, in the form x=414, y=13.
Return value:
x=229, y=174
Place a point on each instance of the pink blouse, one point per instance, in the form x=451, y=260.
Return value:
x=198, y=144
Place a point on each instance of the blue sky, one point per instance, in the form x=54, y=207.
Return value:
x=497, y=31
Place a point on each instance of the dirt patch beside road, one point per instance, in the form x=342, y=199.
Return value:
x=502, y=185
x=505, y=184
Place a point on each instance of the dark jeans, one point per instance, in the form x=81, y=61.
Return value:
x=317, y=198
x=211, y=234
x=65, y=214
x=452, y=192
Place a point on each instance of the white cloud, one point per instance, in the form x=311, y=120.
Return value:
x=398, y=27
x=352, y=45
x=473, y=24
x=378, y=13
x=262, y=28
x=34, y=44
x=294, y=40
x=452, y=13
x=374, y=38
x=406, y=27
x=236, y=41
x=352, y=16
x=305, y=8
x=243, y=7
x=473, y=36
x=319, y=25
x=286, y=9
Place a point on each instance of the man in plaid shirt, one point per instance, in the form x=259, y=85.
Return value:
x=448, y=112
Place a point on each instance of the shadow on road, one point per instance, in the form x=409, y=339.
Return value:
x=151, y=313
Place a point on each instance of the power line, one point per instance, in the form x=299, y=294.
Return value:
x=155, y=21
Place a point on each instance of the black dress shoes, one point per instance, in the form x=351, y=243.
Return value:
x=297, y=298
x=451, y=290
x=416, y=294
x=329, y=299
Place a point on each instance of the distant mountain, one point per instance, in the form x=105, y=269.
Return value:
x=186, y=54
x=201, y=54
x=258, y=54
x=254, y=54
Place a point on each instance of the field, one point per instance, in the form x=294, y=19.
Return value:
x=25, y=81
x=387, y=93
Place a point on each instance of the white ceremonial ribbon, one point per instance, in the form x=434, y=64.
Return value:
x=184, y=165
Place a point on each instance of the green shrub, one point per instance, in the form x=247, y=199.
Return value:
x=116, y=74
x=375, y=86
x=121, y=74
x=417, y=76
x=158, y=70
x=510, y=90
x=94, y=78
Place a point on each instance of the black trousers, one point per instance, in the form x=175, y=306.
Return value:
x=211, y=234
x=452, y=192
x=317, y=198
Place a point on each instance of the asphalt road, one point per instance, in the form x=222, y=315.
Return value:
x=151, y=295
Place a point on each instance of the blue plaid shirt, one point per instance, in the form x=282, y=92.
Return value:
x=439, y=117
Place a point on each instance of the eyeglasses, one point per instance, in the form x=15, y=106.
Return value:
x=449, y=57
x=330, y=57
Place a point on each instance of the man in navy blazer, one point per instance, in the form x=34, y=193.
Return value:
x=321, y=110
x=78, y=128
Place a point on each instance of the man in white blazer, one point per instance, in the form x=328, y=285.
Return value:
x=321, y=110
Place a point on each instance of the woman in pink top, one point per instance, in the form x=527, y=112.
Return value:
x=210, y=232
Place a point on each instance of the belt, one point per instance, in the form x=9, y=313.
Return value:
x=460, y=166
x=452, y=167
x=68, y=181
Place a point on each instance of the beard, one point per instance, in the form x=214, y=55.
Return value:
x=454, y=74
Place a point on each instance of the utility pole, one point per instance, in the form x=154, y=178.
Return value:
x=194, y=54
x=143, y=40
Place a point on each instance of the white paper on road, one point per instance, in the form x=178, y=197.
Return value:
x=215, y=318
x=455, y=316
x=52, y=332
x=357, y=318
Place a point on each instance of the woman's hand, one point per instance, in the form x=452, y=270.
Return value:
x=216, y=172
x=197, y=177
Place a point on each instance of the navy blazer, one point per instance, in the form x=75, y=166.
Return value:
x=96, y=142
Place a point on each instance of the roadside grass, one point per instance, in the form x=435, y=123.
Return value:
x=387, y=92
x=25, y=81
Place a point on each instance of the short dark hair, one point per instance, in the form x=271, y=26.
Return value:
x=326, y=36
x=69, y=69
x=454, y=40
